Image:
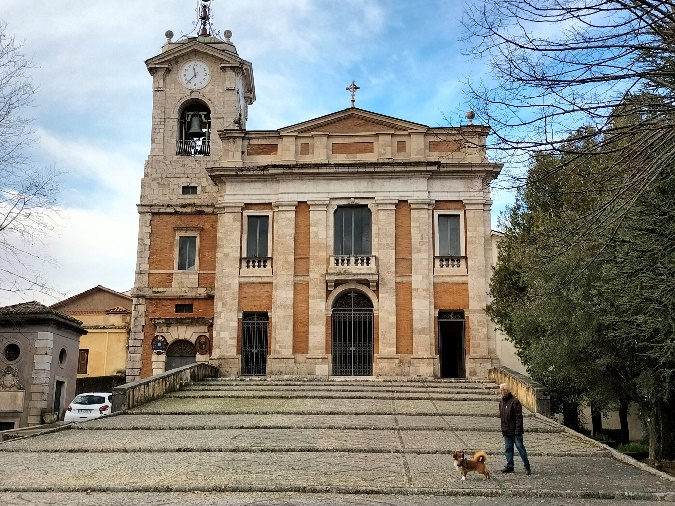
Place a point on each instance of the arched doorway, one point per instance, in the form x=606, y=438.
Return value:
x=180, y=353
x=451, y=344
x=352, y=335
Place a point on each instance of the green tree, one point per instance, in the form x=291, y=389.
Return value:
x=591, y=314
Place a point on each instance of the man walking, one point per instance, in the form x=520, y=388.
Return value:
x=511, y=414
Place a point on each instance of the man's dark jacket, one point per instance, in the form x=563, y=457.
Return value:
x=511, y=414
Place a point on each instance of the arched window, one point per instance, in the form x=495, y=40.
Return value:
x=194, y=130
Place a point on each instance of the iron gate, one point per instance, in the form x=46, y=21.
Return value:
x=352, y=339
x=254, y=344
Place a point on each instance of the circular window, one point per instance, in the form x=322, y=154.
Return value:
x=62, y=356
x=12, y=352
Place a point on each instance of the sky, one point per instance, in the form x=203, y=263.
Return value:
x=92, y=109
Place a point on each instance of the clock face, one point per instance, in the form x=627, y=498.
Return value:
x=195, y=75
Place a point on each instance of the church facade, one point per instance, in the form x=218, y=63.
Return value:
x=353, y=244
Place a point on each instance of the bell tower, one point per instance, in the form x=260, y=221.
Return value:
x=200, y=86
x=201, y=91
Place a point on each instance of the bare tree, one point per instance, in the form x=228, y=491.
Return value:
x=27, y=193
x=558, y=65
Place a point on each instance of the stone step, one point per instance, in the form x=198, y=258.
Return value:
x=222, y=441
x=257, y=405
x=309, y=421
x=412, y=441
x=351, y=383
x=342, y=473
x=328, y=394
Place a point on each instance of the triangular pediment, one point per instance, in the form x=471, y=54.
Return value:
x=193, y=48
x=354, y=121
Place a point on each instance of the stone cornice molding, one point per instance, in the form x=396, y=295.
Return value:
x=421, y=203
x=357, y=170
x=285, y=205
x=176, y=208
x=386, y=204
x=229, y=207
x=318, y=204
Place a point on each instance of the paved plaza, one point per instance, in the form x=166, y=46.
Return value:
x=309, y=442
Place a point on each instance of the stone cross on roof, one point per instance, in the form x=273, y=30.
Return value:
x=352, y=87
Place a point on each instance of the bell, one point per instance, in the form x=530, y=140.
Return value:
x=195, y=128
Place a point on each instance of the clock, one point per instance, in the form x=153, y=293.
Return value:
x=195, y=75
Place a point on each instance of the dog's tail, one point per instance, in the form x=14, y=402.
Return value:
x=480, y=457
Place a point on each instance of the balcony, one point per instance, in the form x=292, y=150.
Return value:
x=345, y=268
x=450, y=266
x=193, y=147
x=255, y=266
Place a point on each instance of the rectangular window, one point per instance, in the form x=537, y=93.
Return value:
x=82, y=361
x=187, y=252
x=189, y=190
x=449, y=235
x=184, y=308
x=256, y=236
x=352, y=231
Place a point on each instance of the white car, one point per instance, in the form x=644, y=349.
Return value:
x=88, y=406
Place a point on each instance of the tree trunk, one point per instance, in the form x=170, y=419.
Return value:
x=654, y=431
x=571, y=416
x=596, y=420
x=623, y=420
x=668, y=430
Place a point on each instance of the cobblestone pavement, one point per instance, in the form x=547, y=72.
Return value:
x=386, y=447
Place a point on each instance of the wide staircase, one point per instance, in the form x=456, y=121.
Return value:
x=301, y=442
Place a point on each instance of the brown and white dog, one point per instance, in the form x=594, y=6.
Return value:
x=465, y=465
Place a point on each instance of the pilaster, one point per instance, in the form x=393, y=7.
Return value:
x=386, y=251
x=318, y=251
x=226, y=300
x=422, y=277
x=282, y=281
x=477, y=243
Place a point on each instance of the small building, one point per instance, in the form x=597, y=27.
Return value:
x=38, y=364
x=106, y=315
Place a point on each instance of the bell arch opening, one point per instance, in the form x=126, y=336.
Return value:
x=352, y=339
x=194, y=129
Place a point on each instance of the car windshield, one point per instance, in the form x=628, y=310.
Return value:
x=89, y=399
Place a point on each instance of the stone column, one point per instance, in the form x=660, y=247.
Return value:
x=424, y=362
x=318, y=252
x=281, y=360
x=226, y=300
x=477, y=247
x=386, y=360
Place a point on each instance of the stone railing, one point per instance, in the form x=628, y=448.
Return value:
x=255, y=266
x=139, y=392
x=450, y=266
x=346, y=268
x=531, y=394
x=193, y=147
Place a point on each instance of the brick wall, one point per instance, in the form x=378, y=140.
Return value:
x=163, y=239
x=302, y=239
x=166, y=308
x=404, y=324
x=255, y=297
x=403, y=239
x=352, y=148
x=301, y=318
